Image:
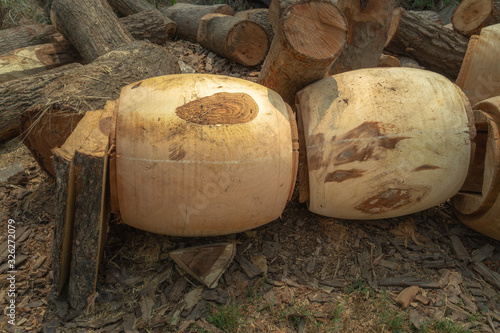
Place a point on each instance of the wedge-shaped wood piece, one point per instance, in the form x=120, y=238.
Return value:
x=205, y=263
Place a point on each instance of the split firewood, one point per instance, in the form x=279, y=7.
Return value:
x=19, y=95
x=276, y=9
x=35, y=59
x=91, y=26
x=437, y=48
x=28, y=35
x=83, y=207
x=242, y=41
x=150, y=25
x=310, y=37
x=131, y=7
x=205, y=263
x=388, y=61
x=479, y=76
x=471, y=16
x=188, y=16
x=368, y=26
x=48, y=124
x=259, y=16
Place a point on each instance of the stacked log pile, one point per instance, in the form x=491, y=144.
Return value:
x=297, y=43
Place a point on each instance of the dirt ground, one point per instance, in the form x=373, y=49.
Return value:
x=301, y=273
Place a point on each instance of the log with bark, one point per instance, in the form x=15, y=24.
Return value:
x=83, y=207
x=131, y=7
x=259, y=16
x=242, y=41
x=35, y=59
x=48, y=124
x=471, y=16
x=91, y=26
x=150, y=25
x=28, y=35
x=310, y=37
x=368, y=26
x=19, y=95
x=437, y=48
x=188, y=16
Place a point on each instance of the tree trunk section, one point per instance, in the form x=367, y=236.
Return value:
x=17, y=96
x=88, y=88
x=131, y=7
x=188, y=16
x=35, y=59
x=242, y=41
x=150, y=25
x=471, y=16
x=437, y=49
x=28, y=35
x=90, y=25
x=276, y=9
x=259, y=16
x=311, y=35
x=368, y=26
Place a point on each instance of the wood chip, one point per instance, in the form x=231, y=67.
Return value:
x=487, y=274
x=406, y=296
x=250, y=269
x=417, y=319
x=459, y=249
x=204, y=324
x=483, y=253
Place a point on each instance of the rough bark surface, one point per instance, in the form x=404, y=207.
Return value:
x=19, y=95
x=88, y=88
x=259, y=16
x=91, y=26
x=437, y=48
x=368, y=26
x=150, y=25
x=28, y=35
x=188, y=16
x=242, y=41
x=130, y=7
x=299, y=54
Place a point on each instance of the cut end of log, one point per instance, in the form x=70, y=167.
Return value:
x=470, y=15
x=317, y=30
x=250, y=42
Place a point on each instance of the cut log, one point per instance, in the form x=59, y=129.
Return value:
x=188, y=16
x=91, y=26
x=205, y=263
x=479, y=76
x=471, y=16
x=28, y=35
x=35, y=59
x=65, y=100
x=388, y=61
x=276, y=9
x=310, y=37
x=368, y=26
x=478, y=203
x=242, y=41
x=79, y=241
x=17, y=96
x=259, y=16
x=150, y=25
x=131, y=7
x=429, y=15
x=436, y=48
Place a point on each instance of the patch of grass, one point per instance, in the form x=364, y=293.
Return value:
x=448, y=326
x=226, y=317
x=14, y=13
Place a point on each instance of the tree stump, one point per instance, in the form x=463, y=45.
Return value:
x=368, y=26
x=48, y=124
x=35, y=59
x=19, y=95
x=259, y=16
x=91, y=26
x=242, y=41
x=310, y=37
x=188, y=16
x=436, y=48
x=471, y=16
